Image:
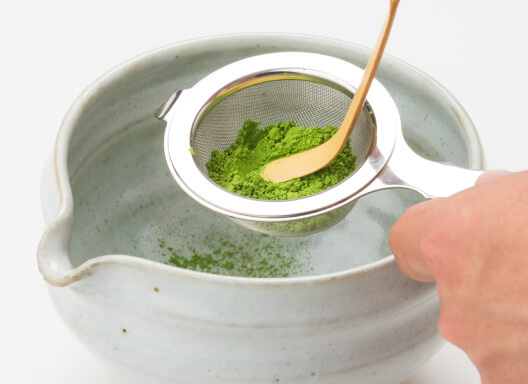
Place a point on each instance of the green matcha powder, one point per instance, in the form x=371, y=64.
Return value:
x=238, y=168
x=251, y=254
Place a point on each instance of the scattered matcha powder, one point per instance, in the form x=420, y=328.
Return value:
x=238, y=168
x=257, y=255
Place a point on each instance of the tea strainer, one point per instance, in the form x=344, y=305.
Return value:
x=312, y=90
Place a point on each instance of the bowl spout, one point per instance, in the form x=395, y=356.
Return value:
x=52, y=254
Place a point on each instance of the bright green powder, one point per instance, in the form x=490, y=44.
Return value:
x=237, y=253
x=238, y=168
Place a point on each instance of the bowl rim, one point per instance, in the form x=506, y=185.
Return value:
x=53, y=244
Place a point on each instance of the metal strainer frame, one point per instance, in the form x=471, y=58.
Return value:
x=408, y=170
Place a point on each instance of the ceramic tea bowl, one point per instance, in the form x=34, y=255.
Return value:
x=116, y=220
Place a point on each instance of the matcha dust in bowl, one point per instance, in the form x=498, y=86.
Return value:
x=238, y=168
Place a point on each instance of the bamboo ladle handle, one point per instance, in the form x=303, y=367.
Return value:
x=312, y=160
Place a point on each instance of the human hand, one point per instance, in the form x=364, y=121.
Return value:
x=474, y=245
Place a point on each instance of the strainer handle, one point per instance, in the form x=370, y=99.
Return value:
x=163, y=110
x=406, y=169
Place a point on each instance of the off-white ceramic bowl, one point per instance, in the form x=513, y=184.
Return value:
x=349, y=316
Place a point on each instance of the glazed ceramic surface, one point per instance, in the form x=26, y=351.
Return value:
x=345, y=313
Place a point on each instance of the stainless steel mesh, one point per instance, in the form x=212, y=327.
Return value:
x=307, y=103
x=299, y=227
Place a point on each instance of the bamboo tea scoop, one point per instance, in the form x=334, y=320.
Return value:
x=312, y=160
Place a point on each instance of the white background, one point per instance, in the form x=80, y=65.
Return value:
x=51, y=50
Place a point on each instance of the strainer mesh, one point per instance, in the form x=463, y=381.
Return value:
x=308, y=103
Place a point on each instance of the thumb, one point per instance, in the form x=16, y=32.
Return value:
x=405, y=240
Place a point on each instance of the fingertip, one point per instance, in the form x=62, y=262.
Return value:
x=413, y=267
x=404, y=240
x=401, y=229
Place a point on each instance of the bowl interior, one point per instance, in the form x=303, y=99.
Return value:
x=126, y=202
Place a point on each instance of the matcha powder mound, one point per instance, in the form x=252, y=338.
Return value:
x=238, y=168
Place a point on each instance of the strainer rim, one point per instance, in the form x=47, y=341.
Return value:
x=199, y=187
